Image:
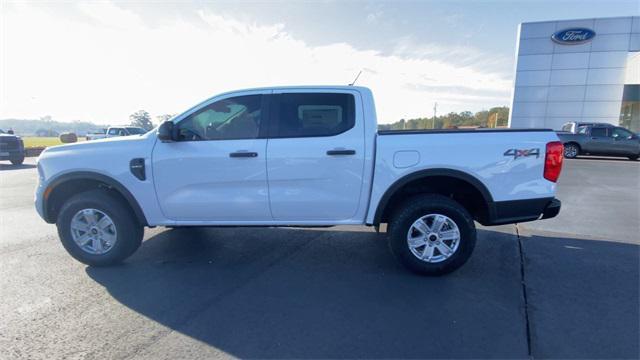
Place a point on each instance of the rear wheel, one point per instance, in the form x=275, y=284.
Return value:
x=571, y=150
x=432, y=235
x=98, y=229
x=17, y=160
x=634, y=157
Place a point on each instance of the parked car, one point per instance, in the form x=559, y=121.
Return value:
x=115, y=131
x=606, y=140
x=11, y=148
x=573, y=126
x=299, y=156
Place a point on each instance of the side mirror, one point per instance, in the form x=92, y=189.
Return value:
x=165, y=132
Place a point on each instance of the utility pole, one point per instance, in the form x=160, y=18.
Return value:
x=433, y=121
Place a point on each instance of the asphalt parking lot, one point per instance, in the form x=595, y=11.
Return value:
x=564, y=288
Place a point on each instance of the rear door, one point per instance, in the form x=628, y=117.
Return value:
x=598, y=141
x=315, y=155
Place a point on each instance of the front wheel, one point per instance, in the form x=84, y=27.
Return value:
x=571, y=151
x=432, y=235
x=634, y=157
x=97, y=228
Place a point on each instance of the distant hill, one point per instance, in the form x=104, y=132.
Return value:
x=28, y=127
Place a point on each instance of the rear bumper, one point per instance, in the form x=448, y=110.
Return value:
x=11, y=154
x=516, y=211
x=552, y=209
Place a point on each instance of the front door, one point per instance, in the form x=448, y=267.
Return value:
x=315, y=156
x=624, y=142
x=216, y=171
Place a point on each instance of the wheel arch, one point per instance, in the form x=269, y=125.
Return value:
x=73, y=183
x=432, y=181
x=573, y=142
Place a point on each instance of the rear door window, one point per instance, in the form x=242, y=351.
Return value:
x=599, y=132
x=313, y=114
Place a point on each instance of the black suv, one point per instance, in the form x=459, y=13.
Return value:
x=11, y=148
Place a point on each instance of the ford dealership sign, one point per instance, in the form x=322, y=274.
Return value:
x=573, y=36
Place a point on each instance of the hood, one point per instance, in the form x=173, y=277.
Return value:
x=107, y=143
x=111, y=148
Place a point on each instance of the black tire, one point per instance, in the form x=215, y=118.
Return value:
x=571, y=150
x=129, y=231
x=634, y=157
x=418, y=207
x=17, y=160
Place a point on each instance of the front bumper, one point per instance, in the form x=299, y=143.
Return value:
x=11, y=154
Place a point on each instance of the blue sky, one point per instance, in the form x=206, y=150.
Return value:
x=101, y=61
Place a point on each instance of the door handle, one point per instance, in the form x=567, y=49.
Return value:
x=247, y=154
x=341, y=152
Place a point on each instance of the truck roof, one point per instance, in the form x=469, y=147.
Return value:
x=301, y=87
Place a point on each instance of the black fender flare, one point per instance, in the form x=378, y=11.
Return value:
x=107, y=180
x=426, y=173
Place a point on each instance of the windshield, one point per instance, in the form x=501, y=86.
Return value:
x=135, y=130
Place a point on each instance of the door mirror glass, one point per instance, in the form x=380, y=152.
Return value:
x=165, y=131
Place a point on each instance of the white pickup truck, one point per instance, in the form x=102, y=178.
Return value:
x=298, y=156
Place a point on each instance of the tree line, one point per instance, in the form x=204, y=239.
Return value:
x=494, y=117
x=142, y=118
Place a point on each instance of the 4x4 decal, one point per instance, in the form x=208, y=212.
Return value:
x=518, y=153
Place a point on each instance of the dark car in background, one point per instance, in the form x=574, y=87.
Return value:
x=573, y=126
x=600, y=139
x=11, y=148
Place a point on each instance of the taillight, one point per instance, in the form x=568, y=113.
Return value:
x=553, y=160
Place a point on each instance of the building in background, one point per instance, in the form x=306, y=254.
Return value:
x=577, y=70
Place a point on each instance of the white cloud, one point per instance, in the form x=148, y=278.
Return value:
x=102, y=63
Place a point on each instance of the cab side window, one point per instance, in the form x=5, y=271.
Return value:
x=229, y=119
x=599, y=132
x=114, y=131
x=621, y=133
x=313, y=114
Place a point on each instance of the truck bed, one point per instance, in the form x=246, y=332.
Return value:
x=508, y=163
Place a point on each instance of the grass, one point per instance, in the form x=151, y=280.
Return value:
x=36, y=141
